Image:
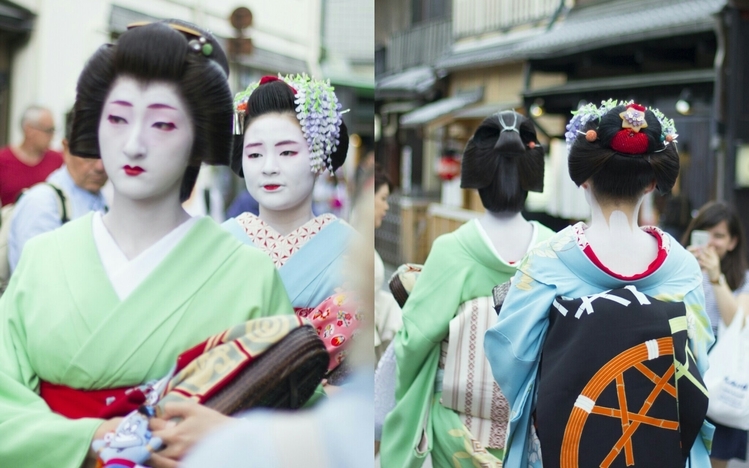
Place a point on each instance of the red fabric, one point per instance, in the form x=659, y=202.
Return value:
x=75, y=404
x=16, y=176
x=269, y=78
x=629, y=142
x=654, y=265
x=187, y=357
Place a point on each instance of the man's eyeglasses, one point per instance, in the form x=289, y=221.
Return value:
x=47, y=130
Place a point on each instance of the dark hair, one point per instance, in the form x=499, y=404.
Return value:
x=617, y=175
x=277, y=97
x=160, y=52
x=734, y=264
x=503, y=160
x=381, y=178
x=69, y=115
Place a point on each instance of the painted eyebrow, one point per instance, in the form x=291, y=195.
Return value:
x=280, y=143
x=161, y=106
x=152, y=106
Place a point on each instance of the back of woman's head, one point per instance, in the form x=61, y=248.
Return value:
x=170, y=51
x=272, y=95
x=503, y=160
x=381, y=178
x=622, y=149
x=734, y=264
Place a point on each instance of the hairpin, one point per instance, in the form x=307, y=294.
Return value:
x=198, y=44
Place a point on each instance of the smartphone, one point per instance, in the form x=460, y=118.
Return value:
x=699, y=238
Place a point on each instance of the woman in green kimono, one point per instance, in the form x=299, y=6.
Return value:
x=107, y=302
x=503, y=160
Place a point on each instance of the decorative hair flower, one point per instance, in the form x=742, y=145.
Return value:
x=629, y=140
x=317, y=109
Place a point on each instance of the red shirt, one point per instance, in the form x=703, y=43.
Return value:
x=16, y=175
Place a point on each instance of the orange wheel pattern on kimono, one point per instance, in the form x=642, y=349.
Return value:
x=613, y=371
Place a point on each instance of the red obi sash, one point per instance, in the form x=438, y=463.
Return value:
x=75, y=404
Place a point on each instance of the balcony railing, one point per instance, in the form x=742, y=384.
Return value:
x=474, y=17
x=422, y=44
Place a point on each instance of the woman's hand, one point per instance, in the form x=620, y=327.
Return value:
x=708, y=260
x=179, y=437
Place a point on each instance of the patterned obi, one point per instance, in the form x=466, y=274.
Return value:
x=618, y=385
x=465, y=378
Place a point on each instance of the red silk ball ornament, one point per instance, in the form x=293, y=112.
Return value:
x=591, y=135
x=629, y=142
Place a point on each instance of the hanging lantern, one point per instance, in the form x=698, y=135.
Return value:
x=448, y=167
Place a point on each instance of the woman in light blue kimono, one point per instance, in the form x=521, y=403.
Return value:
x=292, y=132
x=603, y=337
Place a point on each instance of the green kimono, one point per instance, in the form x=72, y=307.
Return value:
x=62, y=322
x=461, y=266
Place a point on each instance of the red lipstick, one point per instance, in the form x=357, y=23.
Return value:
x=133, y=170
x=271, y=187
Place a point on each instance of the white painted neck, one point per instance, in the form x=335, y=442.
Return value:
x=136, y=225
x=509, y=232
x=285, y=221
x=616, y=238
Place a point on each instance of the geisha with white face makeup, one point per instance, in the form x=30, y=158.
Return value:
x=107, y=303
x=291, y=131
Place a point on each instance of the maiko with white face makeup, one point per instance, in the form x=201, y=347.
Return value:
x=108, y=303
x=276, y=165
x=146, y=136
x=292, y=131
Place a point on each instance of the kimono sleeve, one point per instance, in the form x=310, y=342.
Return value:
x=701, y=339
x=427, y=313
x=700, y=332
x=426, y=320
x=31, y=434
x=512, y=347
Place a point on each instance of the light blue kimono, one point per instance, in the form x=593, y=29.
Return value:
x=558, y=267
x=313, y=273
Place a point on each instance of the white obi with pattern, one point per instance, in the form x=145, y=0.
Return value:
x=466, y=378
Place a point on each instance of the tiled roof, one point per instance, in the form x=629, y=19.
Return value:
x=440, y=108
x=600, y=25
x=418, y=79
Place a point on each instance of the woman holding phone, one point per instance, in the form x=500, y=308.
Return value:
x=716, y=239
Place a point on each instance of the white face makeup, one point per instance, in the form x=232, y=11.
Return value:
x=276, y=163
x=145, y=139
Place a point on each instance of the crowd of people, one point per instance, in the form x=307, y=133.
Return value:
x=586, y=347
x=132, y=332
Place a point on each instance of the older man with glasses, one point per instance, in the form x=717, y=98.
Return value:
x=32, y=161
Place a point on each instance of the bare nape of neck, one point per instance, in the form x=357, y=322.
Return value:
x=509, y=232
x=616, y=238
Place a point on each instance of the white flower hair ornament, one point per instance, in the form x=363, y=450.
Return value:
x=633, y=119
x=317, y=109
